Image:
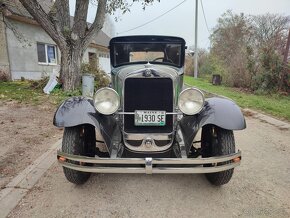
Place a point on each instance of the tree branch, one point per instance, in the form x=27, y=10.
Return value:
x=18, y=34
x=35, y=9
x=80, y=20
x=97, y=24
x=61, y=16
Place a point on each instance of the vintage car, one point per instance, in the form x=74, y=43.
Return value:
x=149, y=119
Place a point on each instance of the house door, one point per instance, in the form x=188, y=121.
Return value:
x=93, y=59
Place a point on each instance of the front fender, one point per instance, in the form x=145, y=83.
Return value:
x=221, y=112
x=80, y=110
x=75, y=111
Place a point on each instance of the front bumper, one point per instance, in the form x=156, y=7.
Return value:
x=149, y=165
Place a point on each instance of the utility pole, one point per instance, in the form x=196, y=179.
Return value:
x=195, y=40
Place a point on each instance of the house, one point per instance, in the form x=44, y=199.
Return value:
x=27, y=51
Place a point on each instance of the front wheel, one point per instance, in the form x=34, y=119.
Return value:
x=78, y=140
x=216, y=141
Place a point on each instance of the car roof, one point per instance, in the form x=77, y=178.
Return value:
x=147, y=38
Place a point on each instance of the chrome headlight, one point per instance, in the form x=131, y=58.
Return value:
x=107, y=101
x=191, y=101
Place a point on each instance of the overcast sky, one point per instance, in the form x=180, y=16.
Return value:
x=180, y=21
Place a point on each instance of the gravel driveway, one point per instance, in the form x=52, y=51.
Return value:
x=25, y=133
x=260, y=187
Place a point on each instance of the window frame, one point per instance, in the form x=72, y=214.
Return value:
x=46, y=54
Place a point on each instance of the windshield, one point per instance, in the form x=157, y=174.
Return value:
x=153, y=52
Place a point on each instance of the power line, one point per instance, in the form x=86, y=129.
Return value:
x=204, y=16
x=150, y=21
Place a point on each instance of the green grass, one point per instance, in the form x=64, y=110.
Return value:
x=23, y=92
x=272, y=104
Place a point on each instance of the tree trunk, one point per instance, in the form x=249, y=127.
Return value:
x=70, y=72
x=56, y=24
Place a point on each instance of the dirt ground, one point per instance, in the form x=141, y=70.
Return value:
x=260, y=187
x=26, y=132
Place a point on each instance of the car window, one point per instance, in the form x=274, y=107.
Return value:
x=165, y=53
x=146, y=56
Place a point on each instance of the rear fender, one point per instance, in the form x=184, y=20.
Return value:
x=80, y=110
x=221, y=112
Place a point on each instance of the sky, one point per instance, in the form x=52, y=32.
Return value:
x=180, y=21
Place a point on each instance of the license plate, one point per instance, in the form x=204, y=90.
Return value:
x=150, y=118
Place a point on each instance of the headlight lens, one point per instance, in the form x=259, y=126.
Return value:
x=106, y=101
x=191, y=101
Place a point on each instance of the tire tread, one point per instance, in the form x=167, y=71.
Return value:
x=71, y=145
x=225, y=145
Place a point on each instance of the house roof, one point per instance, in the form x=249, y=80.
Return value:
x=102, y=39
x=15, y=7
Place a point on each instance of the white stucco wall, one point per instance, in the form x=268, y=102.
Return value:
x=23, y=56
x=104, y=64
x=23, y=51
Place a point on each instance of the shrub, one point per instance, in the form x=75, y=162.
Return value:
x=267, y=78
x=211, y=65
x=39, y=84
x=3, y=76
x=101, y=78
x=189, y=66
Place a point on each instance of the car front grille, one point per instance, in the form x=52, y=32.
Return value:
x=148, y=94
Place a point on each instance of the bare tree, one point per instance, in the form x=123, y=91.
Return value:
x=270, y=31
x=189, y=59
x=73, y=38
x=285, y=74
x=270, y=37
x=230, y=40
x=251, y=50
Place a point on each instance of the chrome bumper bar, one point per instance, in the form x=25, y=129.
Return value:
x=149, y=165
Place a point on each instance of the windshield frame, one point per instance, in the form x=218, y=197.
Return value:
x=150, y=40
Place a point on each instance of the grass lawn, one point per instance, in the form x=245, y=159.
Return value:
x=23, y=92
x=272, y=104
x=275, y=105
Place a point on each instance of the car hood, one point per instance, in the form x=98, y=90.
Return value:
x=137, y=70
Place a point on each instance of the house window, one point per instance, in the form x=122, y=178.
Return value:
x=46, y=53
x=104, y=55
